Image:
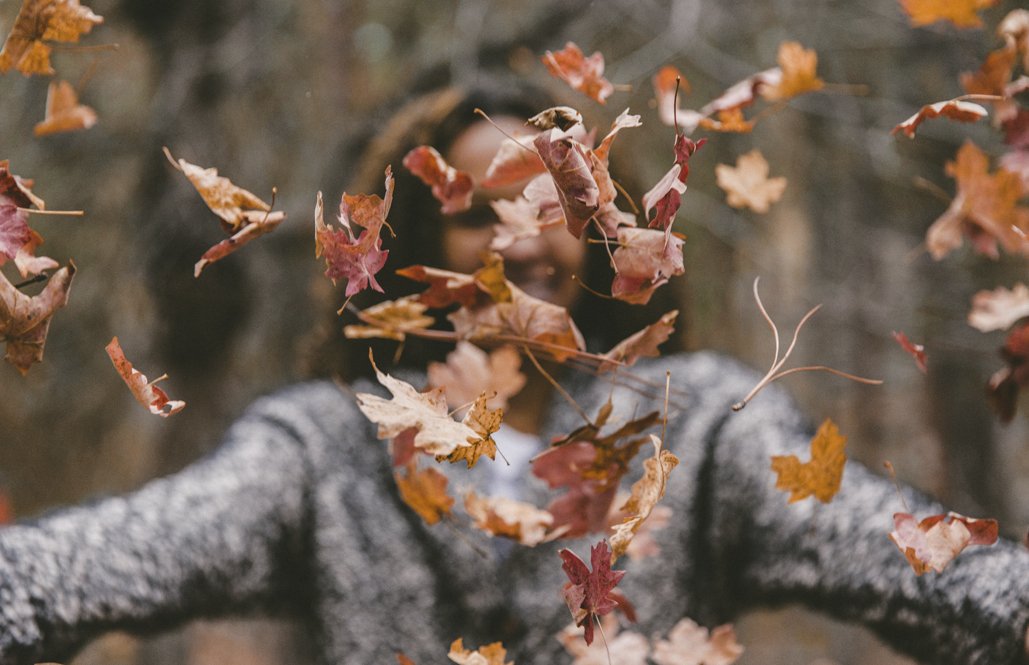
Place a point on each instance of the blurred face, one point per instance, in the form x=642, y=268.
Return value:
x=542, y=266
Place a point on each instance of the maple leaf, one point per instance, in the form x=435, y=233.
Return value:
x=569, y=165
x=994, y=79
x=1000, y=308
x=642, y=344
x=445, y=286
x=581, y=73
x=748, y=185
x=146, y=392
x=645, y=259
x=469, y=371
x=491, y=654
x=797, y=66
x=484, y=422
x=934, y=542
x=25, y=320
x=26, y=260
x=40, y=21
x=391, y=319
x=729, y=121
x=690, y=644
x=588, y=593
x=954, y=109
x=425, y=492
x=622, y=647
x=665, y=81
x=516, y=160
x=1003, y=386
x=985, y=208
x=63, y=111
x=962, y=13
x=917, y=351
x=520, y=219
x=507, y=518
x=451, y=187
x=646, y=492
x=438, y=433
x=821, y=476
x=347, y=255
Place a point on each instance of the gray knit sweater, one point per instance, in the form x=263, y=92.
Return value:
x=297, y=513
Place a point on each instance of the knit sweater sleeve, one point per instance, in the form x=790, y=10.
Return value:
x=223, y=535
x=837, y=557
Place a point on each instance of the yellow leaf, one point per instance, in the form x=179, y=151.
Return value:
x=961, y=13
x=798, y=66
x=819, y=477
x=425, y=492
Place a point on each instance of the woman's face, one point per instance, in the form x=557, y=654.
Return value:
x=542, y=266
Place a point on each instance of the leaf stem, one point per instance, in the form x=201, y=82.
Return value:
x=557, y=386
x=68, y=213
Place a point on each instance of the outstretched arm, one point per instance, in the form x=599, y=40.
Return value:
x=224, y=534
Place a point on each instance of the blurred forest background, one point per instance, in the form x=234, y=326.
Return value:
x=272, y=93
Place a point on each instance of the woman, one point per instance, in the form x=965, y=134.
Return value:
x=298, y=512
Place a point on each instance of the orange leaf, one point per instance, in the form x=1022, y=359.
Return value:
x=748, y=185
x=146, y=392
x=819, y=477
x=39, y=21
x=63, y=111
x=485, y=422
x=642, y=344
x=470, y=371
x=451, y=187
x=507, y=518
x=730, y=121
x=391, y=319
x=491, y=654
x=234, y=205
x=646, y=492
x=962, y=13
x=425, y=492
x=583, y=74
x=934, y=542
x=952, y=108
x=798, y=66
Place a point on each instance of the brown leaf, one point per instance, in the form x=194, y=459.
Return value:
x=391, y=319
x=642, y=344
x=821, y=476
x=561, y=117
x=1014, y=29
x=25, y=320
x=999, y=309
x=63, y=111
x=952, y=108
x=425, y=492
x=934, y=542
x=797, y=66
x=146, y=392
x=962, y=13
x=250, y=231
x=516, y=160
x=234, y=205
x=625, y=647
x=41, y=21
x=469, y=371
x=748, y=185
x=507, y=518
x=917, y=351
x=646, y=492
x=729, y=121
x=690, y=644
x=581, y=73
x=484, y=422
x=569, y=164
x=645, y=259
x=491, y=654
x=451, y=187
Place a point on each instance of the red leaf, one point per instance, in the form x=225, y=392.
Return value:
x=645, y=259
x=146, y=392
x=588, y=594
x=952, y=108
x=581, y=73
x=451, y=187
x=917, y=351
x=569, y=164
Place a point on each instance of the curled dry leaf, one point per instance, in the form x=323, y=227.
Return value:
x=469, y=371
x=517, y=520
x=249, y=232
x=25, y=320
x=962, y=13
x=1005, y=384
x=1000, y=308
x=690, y=644
x=569, y=164
x=63, y=111
x=15, y=192
x=561, y=117
x=391, y=319
x=728, y=121
x=934, y=542
x=452, y=188
x=425, y=492
x=748, y=185
x=589, y=593
x=954, y=109
x=581, y=73
x=146, y=392
x=491, y=654
x=664, y=82
x=484, y=422
x=624, y=647
x=917, y=351
x=666, y=195
x=797, y=67
x=821, y=476
x=520, y=218
x=516, y=160
x=646, y=492
x=438, y=433
x=26, y=260
x=40, y=21
x=644, y=260
x=642, y=344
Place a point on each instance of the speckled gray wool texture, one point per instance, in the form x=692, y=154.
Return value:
x=297, y=513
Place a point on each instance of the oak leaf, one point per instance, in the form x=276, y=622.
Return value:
x=646, y=492
x=642, y=344
x=644, y=260
x=507, y=518
x=934, y=542
x=797, y=66
x=916, y=351
x=425, y=492
x=63, y=111
x=690, y=644
x=491, y=654
x=25, y=320
x=40, y=21
x=146, y=392
x=954, y=109
x=469, y=371
x=821, y=476
x=588, y=593
x=391, y=319
x=748, y=185
x=621, y=647
x=452, y=188
x=962, y=13
x=1000, y=308
x=581, y=73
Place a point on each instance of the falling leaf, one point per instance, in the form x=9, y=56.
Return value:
x=917, y=351
x=445, y=287
x=962, y=13
x=665, y=81
x=985, y=209
x=644, y=260
x=690, y=644
x=642, y=344
x=569, y=164
x=934, y=542
x=391, y=319
x=561, y=117
x=588, y=592
x=624, y=647
x=17, y=189
x=484, y=422
x=491, y=654
x=425, y=492
x=25, y=320
x=15, y=193
x=146, y=392
x=1014, y=29
x=999, y=309
x=40, y=21
x=519, y=219
x=581, y=73
x=249, y=232
x=820, y=477
x=953, y=109
x=797, y=66
x=1003, y=387
x=666, y=195
x=63, y=111
x=748, y=185
x=347, y=255
x=469, y=371
x=729, y=121
x=451, y=187
x=402, y=659
x=646, y=492
x=516, y=160
x=438, y=433
x=507, y=518
x=26, y=260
